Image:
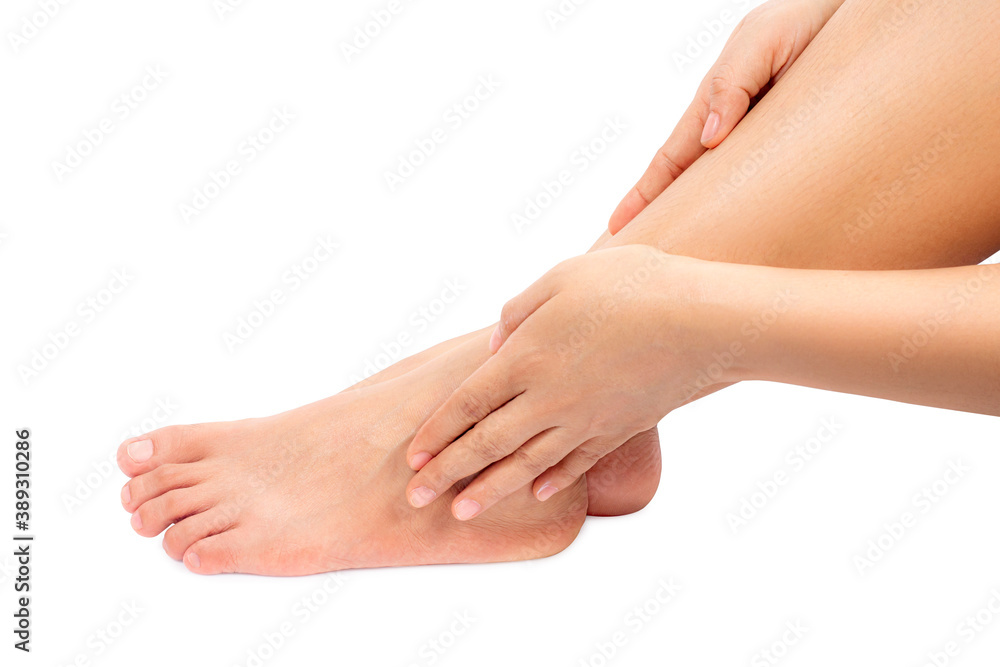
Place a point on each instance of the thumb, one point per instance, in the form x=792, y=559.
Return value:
x=734, y=82
x=520, y=308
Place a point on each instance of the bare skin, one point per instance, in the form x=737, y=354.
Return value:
x=259, y=496
x=897, y=179
x=623, y=482
x=339, y=500
x=926, y=337
x=762, y=48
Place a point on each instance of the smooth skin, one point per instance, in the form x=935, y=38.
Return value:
x=606, y=344
x=860, y=104
x=846, y=163
x=758, y=53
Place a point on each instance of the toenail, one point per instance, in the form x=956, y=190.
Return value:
x=418, y=461
x=137, y=521
x=467, y=509
x=126, y=495
x=547, y=491
x=421, y=496
x=140, y=451
x=194, y=560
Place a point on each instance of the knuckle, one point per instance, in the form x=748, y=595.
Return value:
x=598, y=423
x=139, y=488
x=568, y=473
x=507, y=315
x=488, y=449
x=224, y=520
x=583, y=460
x=167, y=506
x=493, y=491
x=531, y=361
x=668, y=162
x=471, y=407
x=530, y=462
x=589, y=456
x=722, y=78
x=146, y=485
x=442, y=475
x=166, y=475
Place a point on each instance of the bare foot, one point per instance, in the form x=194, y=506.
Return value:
x=320, y=488
x=623, y=482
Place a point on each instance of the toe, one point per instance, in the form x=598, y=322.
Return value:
x=216, y=554
x=151, y=518
x=184, y=533
x=173, y=444
x=155, y=483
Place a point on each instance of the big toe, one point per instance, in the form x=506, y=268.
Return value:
x=173, y=444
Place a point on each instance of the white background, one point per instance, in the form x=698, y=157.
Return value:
x=162, y=339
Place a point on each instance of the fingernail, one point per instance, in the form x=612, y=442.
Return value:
x=419, y=460
x=194, y=560
x=711, y=127
x=140, y=451
x=126, y=495
x=136, y=521
x=547, y=491
x=421, y=497
x=495, y=340
x=467, y=509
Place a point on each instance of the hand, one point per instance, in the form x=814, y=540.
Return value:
x=759, y=52
x=598, y=350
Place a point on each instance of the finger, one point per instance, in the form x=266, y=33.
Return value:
x=475, y=399
x=679, y=152
x=492, y=439
x=522, y=306
x=576, y=464
x=513, y=473
x=738, y=77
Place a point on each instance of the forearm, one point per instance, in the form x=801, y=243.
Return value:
x=926, y=337
x=792, y=186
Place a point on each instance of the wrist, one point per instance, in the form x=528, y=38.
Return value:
x=730, y=308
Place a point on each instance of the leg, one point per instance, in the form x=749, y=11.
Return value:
x=273, y=496
x=925, y=196
x=864, y=156
x=898, y=177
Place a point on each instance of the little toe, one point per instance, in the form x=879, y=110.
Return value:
x=173, y=444
x=156, y=482
x=151, y=518
x=184, y=533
